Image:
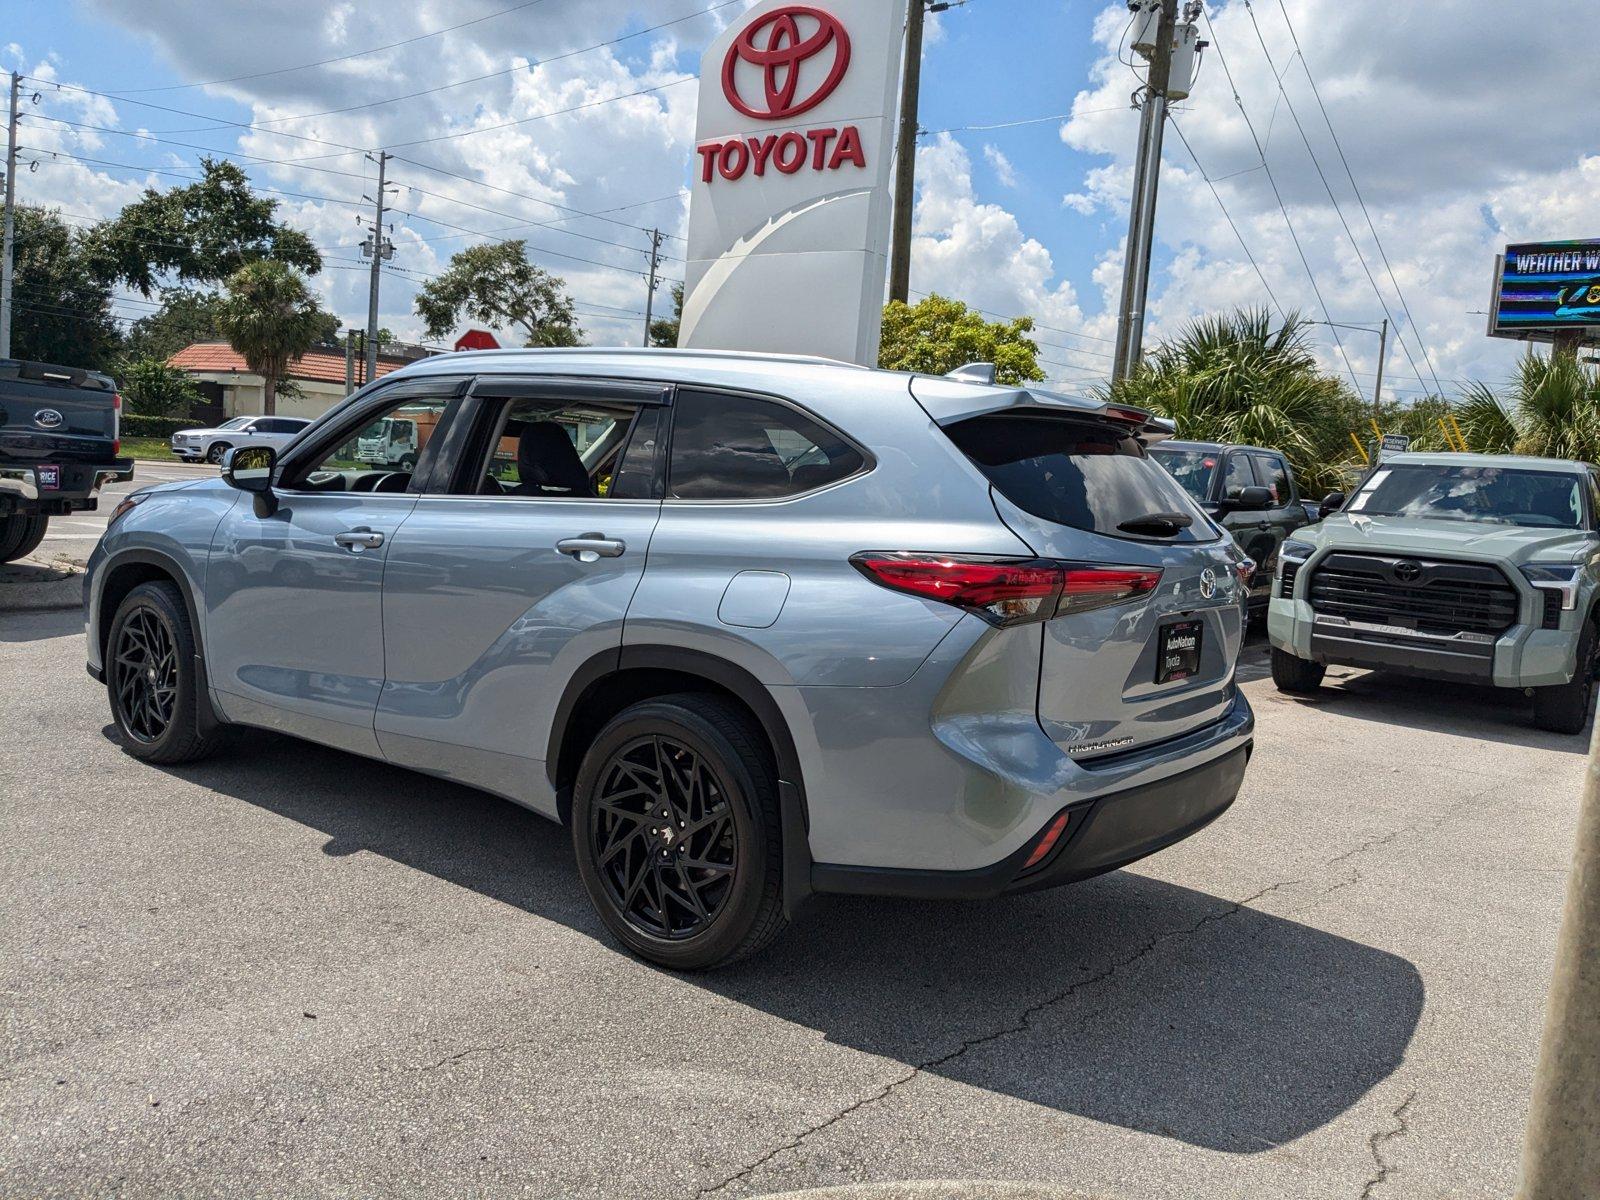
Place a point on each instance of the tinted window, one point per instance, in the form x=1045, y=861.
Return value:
x=279, y=425
x=1238, y=476
x=1089, y=475
x=1194, y=469
x=740, y=448
x=1274, y=476
x=561, y=450
x=1499, y=495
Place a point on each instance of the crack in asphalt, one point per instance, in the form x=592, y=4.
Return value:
x=1023, y=1023
x=1381, y=1138
x=1025, y=1020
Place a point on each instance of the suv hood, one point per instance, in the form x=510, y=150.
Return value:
x=1514, y=544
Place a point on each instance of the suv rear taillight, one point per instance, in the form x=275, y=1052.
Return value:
x=116, y=424
x=1007, y=591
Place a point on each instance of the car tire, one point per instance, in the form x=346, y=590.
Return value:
x=215, y=452
x=151, y=680
x=1564, y=708
x=20, y=536
x=635, y=870
x=1295, y=675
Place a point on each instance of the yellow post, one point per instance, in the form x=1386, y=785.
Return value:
x=1360, y=449
x=1460, y=437
x=1376, y=432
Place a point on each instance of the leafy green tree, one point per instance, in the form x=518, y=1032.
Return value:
x=202, y=233
x=186, y=316
x=938, y=334
x=664, y=330
x=494, y=284
x=1235, y=378
x=269, y=317
x=153, y=389
x=61, y=310
x=1555, y=402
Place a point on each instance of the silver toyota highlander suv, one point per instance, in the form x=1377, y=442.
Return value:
x=752, y=626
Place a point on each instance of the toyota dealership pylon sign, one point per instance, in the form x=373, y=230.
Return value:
x=789, y=209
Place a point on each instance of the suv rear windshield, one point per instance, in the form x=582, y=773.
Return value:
x=1089, y=475
x=1498, y=495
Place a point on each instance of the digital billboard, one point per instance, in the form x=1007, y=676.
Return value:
x=1546, y=287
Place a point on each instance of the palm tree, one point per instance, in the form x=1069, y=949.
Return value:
x=1234, y=378
x=1486, y=425
x=270, y=317
x=1556, y=401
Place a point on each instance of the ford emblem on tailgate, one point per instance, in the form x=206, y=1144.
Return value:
x=47, y=418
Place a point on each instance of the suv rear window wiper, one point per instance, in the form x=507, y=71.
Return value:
x=1160, y=524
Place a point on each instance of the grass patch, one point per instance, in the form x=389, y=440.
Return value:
x=148, y=449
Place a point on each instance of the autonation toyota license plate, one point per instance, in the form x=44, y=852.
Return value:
x=1178, y=651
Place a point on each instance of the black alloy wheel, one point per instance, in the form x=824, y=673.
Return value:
x=676, y=829
x=144, y=675
x=663, y=838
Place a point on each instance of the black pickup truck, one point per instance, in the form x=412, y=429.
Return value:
x=1249, y=490
x=58, y=447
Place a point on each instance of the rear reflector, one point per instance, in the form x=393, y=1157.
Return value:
x=1047, y=841
x=1006, y=591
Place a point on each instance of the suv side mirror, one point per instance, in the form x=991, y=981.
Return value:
x=249, y=468
x=1248, y=499
x=1331, y=503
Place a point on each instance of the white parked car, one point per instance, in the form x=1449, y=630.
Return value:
x=193, y=445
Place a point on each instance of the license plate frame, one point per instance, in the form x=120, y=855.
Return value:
x=1174, y=664
x=49, y=476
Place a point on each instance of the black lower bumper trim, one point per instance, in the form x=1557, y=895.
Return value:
x=1426, y=661
x=1104, y=834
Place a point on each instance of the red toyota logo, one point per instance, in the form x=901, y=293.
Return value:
x=775, y=46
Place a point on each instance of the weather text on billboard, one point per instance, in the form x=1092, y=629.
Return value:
x=1549, y=285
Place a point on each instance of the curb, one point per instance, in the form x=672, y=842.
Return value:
x=937, y=1189
x=33, y=586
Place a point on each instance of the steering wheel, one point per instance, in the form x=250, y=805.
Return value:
x=369, y=481
x=395, y=481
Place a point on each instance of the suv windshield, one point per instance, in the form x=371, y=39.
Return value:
x=236, y=423
x=1088, y=474
x=1194, y=469
x=1500, y=495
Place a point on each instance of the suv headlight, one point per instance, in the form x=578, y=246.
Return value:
x=1557, y=577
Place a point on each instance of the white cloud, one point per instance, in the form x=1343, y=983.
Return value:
x=1005, y=174
x=1080, y=202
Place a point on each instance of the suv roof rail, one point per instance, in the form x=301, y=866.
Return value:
x=973, y=372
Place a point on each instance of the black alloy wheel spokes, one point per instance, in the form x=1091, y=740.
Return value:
x=144, y=671
x=663, y=837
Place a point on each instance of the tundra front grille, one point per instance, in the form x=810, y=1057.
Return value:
x=1428, y=595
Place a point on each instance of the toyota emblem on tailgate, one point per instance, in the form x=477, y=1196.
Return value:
x=1208, y=584
x=47, y=418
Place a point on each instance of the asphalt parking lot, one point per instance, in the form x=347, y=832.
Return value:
x=292, y=971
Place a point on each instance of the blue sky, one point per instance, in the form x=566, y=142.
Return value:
x=1457, y=139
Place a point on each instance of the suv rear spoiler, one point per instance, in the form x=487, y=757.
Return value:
x=37, y=372
x=958, y=396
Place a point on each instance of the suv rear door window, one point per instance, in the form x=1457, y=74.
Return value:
x=1087, y=474
x=727, y=447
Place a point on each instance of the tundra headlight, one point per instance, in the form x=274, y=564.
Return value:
x=1556, y=577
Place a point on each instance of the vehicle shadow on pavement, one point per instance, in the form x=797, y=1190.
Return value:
x=1123, y=999
x=1465, y=710
x=40, y=625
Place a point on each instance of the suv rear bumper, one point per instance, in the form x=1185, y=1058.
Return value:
x=1102, y=834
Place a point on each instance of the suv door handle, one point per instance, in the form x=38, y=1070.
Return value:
x=588, y=547
x=357, y=540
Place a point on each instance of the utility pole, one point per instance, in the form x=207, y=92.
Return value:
x=1377, y=388
x=9, y=250
x=380, y=248
x=650, y=292
x=905, y=161
x=1146, y=177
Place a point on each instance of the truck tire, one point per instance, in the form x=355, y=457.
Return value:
x=408, y=463
x=20, y=536
x=1295, y=675
x=1564, y=708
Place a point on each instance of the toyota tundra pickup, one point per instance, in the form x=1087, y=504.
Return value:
x=1462, y=567
x=59, y=446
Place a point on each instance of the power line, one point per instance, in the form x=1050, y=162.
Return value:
x=1332, y=199
x=531, y=65
x=1349, y=174
x=1278, y=196
x=173, y=87
x=1216, y=195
